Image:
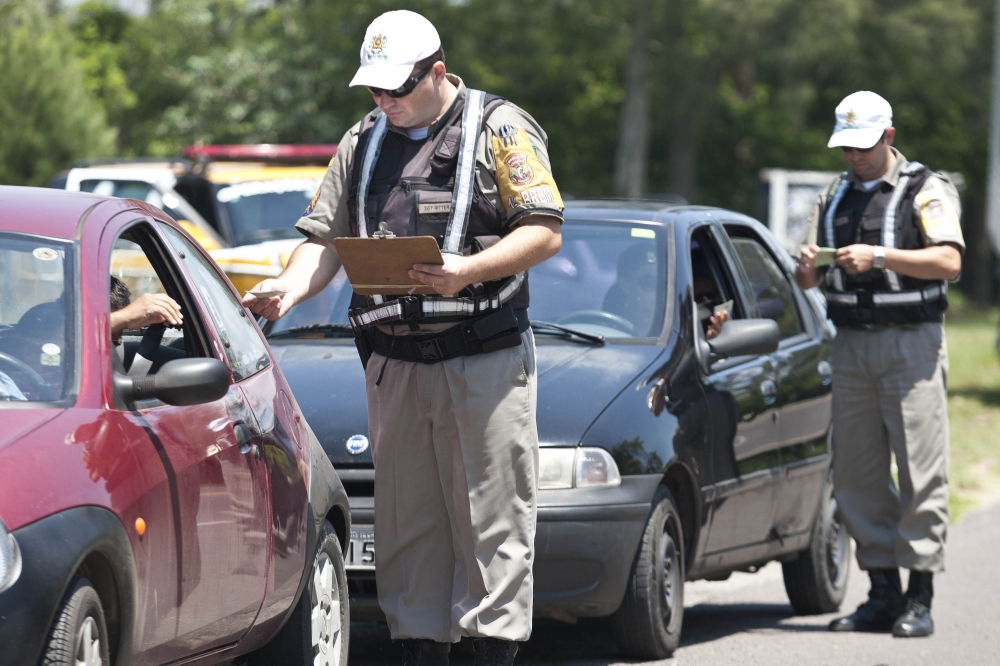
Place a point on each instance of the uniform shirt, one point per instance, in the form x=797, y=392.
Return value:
x=327, y=215
x=936, y=207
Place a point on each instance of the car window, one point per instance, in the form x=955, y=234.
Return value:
x=37, y=359
x=244, y=347
x=710, y=281
x=609, y=278
x=769, y=285
x=266, y=209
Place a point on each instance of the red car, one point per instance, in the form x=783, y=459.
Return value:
x=161, y=497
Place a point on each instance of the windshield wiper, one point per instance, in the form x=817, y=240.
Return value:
x=549, y=328
x=328, y=330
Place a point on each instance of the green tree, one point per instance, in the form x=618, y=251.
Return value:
x=47, y=116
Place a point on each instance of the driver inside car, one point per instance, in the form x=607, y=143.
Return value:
x=633, y=295
x=707, y=296
x=146, y=310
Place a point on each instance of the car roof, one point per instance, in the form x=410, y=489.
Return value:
x=44, y=211
x=241, y=172
x=656, y=212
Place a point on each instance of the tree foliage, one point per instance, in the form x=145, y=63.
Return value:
x=47, y=115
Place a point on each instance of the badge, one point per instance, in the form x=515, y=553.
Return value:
x=443, y=207
x=357, y=444
x=519, y=171
x=377, y=46
x=850, y=119
x=312, y=204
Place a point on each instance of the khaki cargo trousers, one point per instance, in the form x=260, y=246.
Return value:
x=456, y=457
x=889, y=396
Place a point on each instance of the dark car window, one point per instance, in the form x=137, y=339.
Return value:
x=609, y=278
x=266, y=209
x=710, y=280
x=770, y=286
x=245, y=350
x=37, y=320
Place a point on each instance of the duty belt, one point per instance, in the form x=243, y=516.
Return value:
x=492, y=332
x=888, y=299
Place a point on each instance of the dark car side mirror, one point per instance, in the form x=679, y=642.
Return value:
x=184, y=381
x=744, y=336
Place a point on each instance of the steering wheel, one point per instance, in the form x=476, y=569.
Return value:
x=38, y=385
x=599, y=318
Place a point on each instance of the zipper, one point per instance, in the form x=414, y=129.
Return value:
x=422, y=184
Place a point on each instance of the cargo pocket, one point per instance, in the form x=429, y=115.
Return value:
x=433, y=212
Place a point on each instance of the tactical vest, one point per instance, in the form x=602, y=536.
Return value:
x=410, y=187
x=883, y=217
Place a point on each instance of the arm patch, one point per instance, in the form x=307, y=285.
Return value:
x=522, y=179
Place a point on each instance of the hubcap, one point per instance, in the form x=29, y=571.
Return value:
x=670, y=581
x=88, y=644
x=837, y=546
x=326, y=629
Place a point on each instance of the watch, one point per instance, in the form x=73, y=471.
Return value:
x=879, y=260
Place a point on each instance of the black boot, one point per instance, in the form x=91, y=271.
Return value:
x=494, y=651
x=916, y=618
x=419, y=652
x=884, y=605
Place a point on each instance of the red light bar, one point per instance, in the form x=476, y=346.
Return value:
x=263, y=151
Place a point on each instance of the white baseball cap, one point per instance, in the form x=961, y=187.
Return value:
x=861, y=119
x=394, y=43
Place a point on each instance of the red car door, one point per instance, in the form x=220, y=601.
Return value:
x=203, y=587
x=277, y=436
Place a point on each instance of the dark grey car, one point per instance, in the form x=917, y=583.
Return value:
x=664, y=456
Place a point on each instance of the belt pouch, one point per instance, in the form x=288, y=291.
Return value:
x=364, y=344
x=498, y=330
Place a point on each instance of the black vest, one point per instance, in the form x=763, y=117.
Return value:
x=411, y=191
x=859, y=219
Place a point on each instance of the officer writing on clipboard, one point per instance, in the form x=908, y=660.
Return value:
x=450, y=378
x=895, y=227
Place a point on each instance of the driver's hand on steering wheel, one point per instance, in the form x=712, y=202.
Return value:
x=144, y=311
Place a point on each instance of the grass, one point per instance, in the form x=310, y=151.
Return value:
x=973, y=405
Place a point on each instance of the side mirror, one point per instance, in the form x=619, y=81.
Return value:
x=184, y=381
x=745, y=336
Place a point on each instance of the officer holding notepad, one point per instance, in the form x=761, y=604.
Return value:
x=450, y=376
x=892, y=240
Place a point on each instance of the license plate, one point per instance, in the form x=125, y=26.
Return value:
x=361, y=548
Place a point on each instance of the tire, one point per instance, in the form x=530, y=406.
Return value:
x=816, y=581
x=648, y=623
x=326, y=595
x=79, y=633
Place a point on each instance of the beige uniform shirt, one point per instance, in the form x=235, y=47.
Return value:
x=327, y=215
x=936, y=207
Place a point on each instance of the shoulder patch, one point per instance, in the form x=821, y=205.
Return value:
x=938, y=217
x=521, y=177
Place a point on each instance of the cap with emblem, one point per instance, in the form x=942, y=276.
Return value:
x=394, y=43
x=861, y=119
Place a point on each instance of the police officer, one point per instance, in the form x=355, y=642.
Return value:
x=450, y=377
x=895, y=227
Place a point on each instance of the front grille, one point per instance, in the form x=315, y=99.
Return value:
x=359, y=488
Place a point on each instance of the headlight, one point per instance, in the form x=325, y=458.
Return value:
x=10, y=558
x=576, y=468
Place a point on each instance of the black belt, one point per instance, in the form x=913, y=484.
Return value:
x=492, y=332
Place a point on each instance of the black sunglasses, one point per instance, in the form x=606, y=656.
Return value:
x=405, y=89
x=848, y=149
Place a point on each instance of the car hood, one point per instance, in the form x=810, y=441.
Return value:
x=19, y=422
x=576, y=383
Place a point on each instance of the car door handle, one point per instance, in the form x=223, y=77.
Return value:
x=243, y=437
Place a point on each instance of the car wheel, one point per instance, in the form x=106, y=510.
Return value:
x=317, y=632
x=648, y=623
x=79, y=633
x=816, y=580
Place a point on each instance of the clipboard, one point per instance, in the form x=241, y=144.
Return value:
x=381, y=265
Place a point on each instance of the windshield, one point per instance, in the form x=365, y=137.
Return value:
x=262, y=210
x=609, y=279
x=36, y=331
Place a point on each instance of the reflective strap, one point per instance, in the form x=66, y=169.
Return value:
x=911, y=297
x=372, y=149
x=889, y=218
x=465, y=172
x=831, y=210
x=842, y=299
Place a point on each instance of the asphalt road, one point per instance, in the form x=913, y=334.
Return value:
x=747, y=620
